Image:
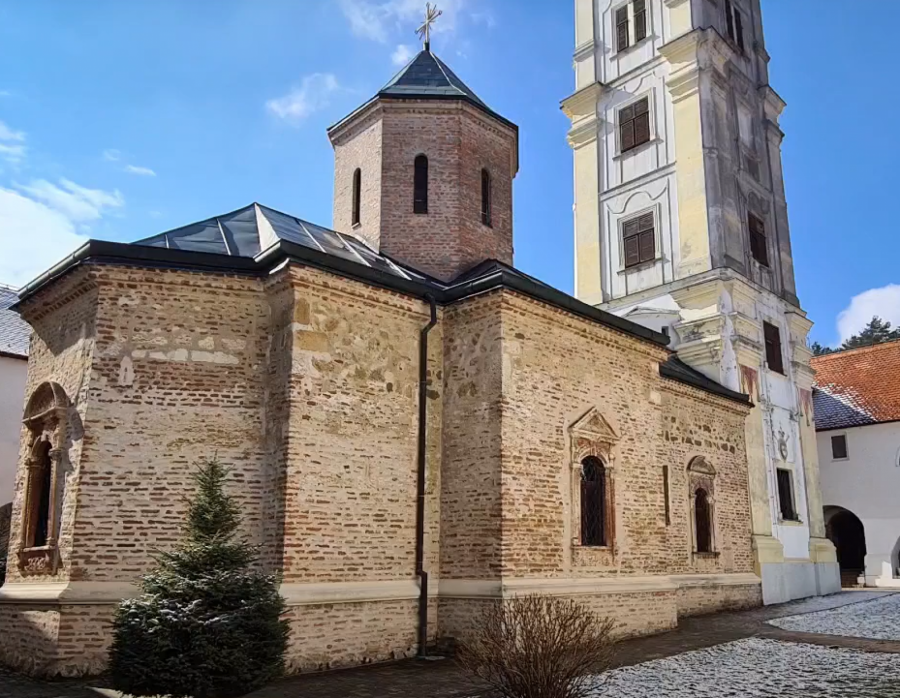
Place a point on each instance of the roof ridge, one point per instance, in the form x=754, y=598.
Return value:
x=440, y=64
x=855, y=350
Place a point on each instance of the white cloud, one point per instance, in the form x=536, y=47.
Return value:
x=112, y=155
x=143, y=171
x=12, y=148
x=5, y=93
x=33, y=237
x=313, y=94
x=12, y=153
x=7, y=134
x=78, y=204
x=376, y=20
x=402, y=55
x=883, y=302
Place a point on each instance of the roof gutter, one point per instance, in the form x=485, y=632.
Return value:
x=498, y=277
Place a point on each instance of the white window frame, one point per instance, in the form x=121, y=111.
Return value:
x=656, y=210
x=650, y=96
x=846, y=446
x=631, y=25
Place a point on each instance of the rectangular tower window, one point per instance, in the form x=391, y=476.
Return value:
x=622, y=33
x=634, y=125
x=639, y=240
x=759, y=247
x=640, y=20
x=773, y=348
x=734, y=24
x=786, y=495
x=839, y=447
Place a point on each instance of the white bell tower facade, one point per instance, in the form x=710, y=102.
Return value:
x=681, y=225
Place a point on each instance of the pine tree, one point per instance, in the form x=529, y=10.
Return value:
x=207, y=625
x=876, y=332
x=820, y=350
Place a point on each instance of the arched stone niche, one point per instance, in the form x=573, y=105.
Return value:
x=591, y=436
x=702, y=476
x=46, y=419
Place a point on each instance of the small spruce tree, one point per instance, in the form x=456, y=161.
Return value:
x=207, y=625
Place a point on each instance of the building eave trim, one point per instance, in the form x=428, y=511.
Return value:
x=328, y=593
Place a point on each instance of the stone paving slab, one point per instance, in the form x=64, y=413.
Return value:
x=876, y=619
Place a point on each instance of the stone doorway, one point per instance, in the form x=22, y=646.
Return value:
x=848, y=534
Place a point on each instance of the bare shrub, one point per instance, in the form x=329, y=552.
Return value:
x=539, y=647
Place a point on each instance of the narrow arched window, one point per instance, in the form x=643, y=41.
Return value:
x=38, y=530
x=593, y=502
x=486, y=198
x=420, y=185
x=703, y=521
x=357, y=194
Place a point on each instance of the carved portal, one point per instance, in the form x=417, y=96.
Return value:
x=702, y=492
x=46, y=418
x=593, y=442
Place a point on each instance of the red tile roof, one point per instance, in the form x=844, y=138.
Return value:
x=858, y=386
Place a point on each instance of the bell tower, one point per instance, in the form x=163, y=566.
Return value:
x=681, y=224
x=424, y=172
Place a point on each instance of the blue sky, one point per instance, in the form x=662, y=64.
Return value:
x=122, y=119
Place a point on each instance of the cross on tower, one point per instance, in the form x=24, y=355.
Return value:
x=431, y=15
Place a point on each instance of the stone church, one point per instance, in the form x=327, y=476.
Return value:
x=413, y=426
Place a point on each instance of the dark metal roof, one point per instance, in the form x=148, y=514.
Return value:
x=253, y=229
x=427, y=77
x=15, y=333
x=676, y=369
x=255, y=239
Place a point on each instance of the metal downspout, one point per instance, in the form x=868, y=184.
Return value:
x=420, y=485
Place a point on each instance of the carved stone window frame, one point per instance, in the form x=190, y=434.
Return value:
x=702, y=475
x=591, y=436
x=47, y=420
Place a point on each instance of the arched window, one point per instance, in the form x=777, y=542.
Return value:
x=593, y=502
x=420, y=185
x=486, y=198
x=38, y=528
x=703, y=521
x=357, y=193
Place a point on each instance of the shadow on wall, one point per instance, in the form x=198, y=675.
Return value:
x=5, y=516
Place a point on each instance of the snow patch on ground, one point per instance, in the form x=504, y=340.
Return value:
x=877, y=619
x=756, y=668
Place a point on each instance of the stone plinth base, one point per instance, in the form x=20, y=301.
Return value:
x=341, y=625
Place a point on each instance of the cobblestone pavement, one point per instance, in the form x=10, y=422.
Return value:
x=759, y=667
x=878, y=619
x=442, y=679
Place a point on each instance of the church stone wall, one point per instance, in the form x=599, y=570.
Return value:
x=556, y=368
x=175, y=378
x=64, y=321
x=305, y=385
x=470, y=492
x=352, y=432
